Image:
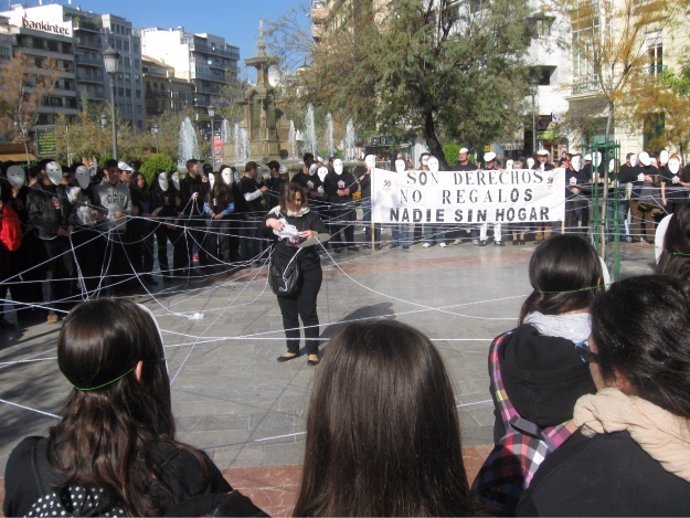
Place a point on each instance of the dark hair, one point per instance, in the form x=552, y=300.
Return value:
x=287, y=195
x=308, y=159
x=641, y=328
x=250, y=166
x=111, y=162
x=675, y=257
x=566, y=274
x=220, y=191
x=190, y=163
x=273, y=165
x=113, y=420
x=207, y=169
x=382, y=429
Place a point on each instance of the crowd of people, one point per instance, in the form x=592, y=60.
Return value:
x=84, y=231
x=590, y=392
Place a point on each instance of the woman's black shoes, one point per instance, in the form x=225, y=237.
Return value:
x=287, y=357
x=313, y=359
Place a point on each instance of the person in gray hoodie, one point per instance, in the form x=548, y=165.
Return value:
x=114, y=204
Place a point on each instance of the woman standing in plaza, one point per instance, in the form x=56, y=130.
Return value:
x=295, y=223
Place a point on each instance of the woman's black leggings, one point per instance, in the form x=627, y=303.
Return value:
x=302, y=304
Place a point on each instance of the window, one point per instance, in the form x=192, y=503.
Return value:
x=118, y=45
x=655, y=53
x=128, y=62
x=128, y=92
x=126, y=46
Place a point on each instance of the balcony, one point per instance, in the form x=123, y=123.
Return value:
x=319, y=11
x=205, y=48
x=90, y=78
x=585, y=87
x=81, y=24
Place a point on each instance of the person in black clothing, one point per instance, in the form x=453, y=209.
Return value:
x=253, y=195
x=48, y=212
x=339, y=186
x=114, y=449
x=143, y=230
x=626, y=177
x=577, y=185
x=276, y=182
x=630, y=455
x=219, y=207
x=364, y=179
x=542, y=231
x=294, y=210
x=463, y=164
x=165, y=203
x=193, y=191
x=27, y=261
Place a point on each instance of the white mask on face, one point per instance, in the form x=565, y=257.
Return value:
x=400, y=165
x=236, y=176
x=211, y=180
x=597, y=159
x=83, y=176
x=633, y=160
x=15, y=175
x=576, y=163
x=612, y=165
x=312, y=169
x=226, y=175
x=175, y=177
x=530, y=163
x=322, y=172
x=509, y=164
x=370, y=162
x=54, y=172
x=432, y=164
x=163, y=181
x=673, y=165
x=338, y=166
x=663, y=157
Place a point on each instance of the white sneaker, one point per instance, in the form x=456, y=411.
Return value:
x=442, y=245
x=426, y=245
x=457, y=242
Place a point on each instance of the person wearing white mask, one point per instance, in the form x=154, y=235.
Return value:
x=165, y=204
x=626, y=176
x=48, y=212
x=671, y=189
x=434, y=233
x=542, y=231
x=577, y=185
x=219, y=207
x=644, y=198
x=399, y=231
x=339, y=186
x=489, y=165
x=365, y=185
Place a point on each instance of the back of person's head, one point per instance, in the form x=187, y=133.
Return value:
x=565, y=273
x=382, y=429
x=111, y=352
x=641, y=331
x=675, y=257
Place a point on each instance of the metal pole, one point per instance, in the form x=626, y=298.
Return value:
x=534, y=127
x=112, y=114
x=213, y=156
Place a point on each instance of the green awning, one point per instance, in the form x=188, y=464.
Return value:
x=549, y=134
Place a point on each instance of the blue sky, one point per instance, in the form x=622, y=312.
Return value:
x=235, y=20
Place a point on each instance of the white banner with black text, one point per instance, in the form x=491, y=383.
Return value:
x=471, y=197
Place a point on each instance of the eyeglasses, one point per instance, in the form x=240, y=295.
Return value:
x=585, y=352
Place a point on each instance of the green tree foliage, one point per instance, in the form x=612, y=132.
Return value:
x=443, y=68
x=156, y=163
x=667, y=95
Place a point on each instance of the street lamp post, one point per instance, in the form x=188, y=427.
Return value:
x=154, y=130
x=534, y=90
x=111, y=58
x=211, y=113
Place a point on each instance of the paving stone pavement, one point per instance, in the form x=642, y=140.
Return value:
x=232, y=398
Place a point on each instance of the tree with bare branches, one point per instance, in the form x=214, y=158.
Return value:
x=25, y=83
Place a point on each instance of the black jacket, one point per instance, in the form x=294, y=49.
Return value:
x=606, y=475
x=333, y=182
x=48, y=209
x=543, y=376
x=308, y=258
x=189, y=186
x=178, y=470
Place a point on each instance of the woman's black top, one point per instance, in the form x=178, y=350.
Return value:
x=308, y=258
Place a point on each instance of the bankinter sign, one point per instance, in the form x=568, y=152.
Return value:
x=62, y=30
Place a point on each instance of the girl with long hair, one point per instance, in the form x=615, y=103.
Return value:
x=535, y=371
x=114, y=450
x=383, y=437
